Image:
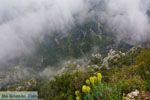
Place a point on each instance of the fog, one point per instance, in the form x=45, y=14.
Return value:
x=129, y=19
x=22, y=22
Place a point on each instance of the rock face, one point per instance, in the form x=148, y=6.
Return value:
x=132, y=95
x=137, y=95
x=17, y=74
x=112, y=56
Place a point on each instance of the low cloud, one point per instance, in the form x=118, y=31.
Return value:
x=128, y=19
x=24, y=21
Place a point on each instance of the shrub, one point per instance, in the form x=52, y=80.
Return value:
x=131, y=84
x=96, y=90
x=147, y=85
x=63, y=86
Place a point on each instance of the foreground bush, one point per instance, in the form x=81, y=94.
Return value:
x=63, y=87
x=96, y=90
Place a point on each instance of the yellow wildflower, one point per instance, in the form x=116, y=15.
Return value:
x=99, y=76
x=95, y=79
x=87, y=82
x=86, y=89
x=92, y=79
x=78, y=98
x=77, y=93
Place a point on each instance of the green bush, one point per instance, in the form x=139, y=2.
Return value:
x=104, y=91
x=63, y=86
x=131, y=84
x=147, y=85
x=144, y=70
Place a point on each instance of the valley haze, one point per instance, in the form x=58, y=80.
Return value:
x=24, y=22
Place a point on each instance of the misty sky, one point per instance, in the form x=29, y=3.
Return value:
x=23, y=21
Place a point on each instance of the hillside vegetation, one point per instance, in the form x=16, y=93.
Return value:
x=124, y=73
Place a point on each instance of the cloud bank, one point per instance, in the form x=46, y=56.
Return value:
x=24, y=21
x=128, y=19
